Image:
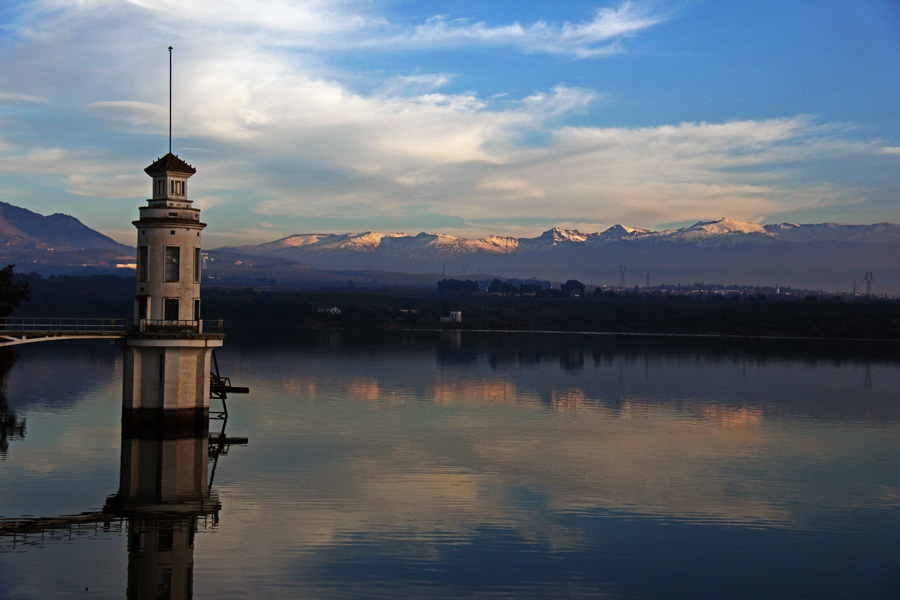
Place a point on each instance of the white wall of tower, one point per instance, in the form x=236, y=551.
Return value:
x=159, y=281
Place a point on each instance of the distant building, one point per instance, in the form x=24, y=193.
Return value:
x=334, y=310
x=455, y=317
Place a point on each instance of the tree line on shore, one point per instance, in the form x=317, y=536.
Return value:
x=539, y=289
x=112, y=296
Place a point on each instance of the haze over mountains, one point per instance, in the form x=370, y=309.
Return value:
x=824, y=256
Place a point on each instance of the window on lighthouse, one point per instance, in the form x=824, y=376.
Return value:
x=197, y=263
x=173, y=263
x=176, y=187
x=170, y=309
x=143, y=262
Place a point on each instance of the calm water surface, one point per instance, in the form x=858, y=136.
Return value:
x=464, y=465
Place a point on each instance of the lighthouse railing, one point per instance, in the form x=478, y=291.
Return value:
x=200, y=326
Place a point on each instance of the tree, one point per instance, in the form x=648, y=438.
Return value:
x=11, y=294
x=502, y=288
x=455, y=286
x=530, y=289
x=572, y=287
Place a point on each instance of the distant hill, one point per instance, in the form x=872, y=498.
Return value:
x=824, y=256
x=56, y=244
x=22, y=228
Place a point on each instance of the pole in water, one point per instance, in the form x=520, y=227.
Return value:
x=170, y=99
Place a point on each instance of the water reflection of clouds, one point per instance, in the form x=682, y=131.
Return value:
x=695, y=422
x=43, y=373
x=488, y=390
x=568, y=399
x=452, y=473
x=397, y=458
x=614, y=374
x=55, y=447
x=371, y=388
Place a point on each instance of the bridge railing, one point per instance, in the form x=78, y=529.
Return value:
x=113, y=326
x=63, y=325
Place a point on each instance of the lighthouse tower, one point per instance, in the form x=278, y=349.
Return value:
x=169, y=258
x=168, y=352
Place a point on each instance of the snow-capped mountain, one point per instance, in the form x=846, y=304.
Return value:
x=621, y=231
x=828, y=255
x=707, y=233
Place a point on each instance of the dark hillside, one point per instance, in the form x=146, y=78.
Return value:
x=21, y=227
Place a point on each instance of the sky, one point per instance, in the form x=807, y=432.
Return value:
x=454, y=116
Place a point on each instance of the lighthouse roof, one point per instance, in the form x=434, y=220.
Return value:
x=171, y=164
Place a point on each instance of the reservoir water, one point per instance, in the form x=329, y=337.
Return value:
x=464, y=465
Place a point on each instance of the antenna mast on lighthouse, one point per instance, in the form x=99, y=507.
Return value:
x=170, y=99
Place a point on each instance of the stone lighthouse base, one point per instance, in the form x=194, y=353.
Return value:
x=166, y=379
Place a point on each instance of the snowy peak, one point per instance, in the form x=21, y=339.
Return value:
x=301, y=240
x=365, y=241
x=498, y=244
x=621, y=231
x=725, y=227
x=717, y=233
x=369, y=240
x=556, y=236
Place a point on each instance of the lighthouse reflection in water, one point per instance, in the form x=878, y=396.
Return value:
x=165, y=496
x=164, y=493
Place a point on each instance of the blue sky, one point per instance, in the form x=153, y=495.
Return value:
x=462, y=117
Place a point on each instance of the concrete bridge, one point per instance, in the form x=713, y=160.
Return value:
x=28, y=330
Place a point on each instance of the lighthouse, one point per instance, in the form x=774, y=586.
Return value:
x=168, y=242
x=168, y=350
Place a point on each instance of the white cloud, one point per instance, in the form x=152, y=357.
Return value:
x=667, y=173
x=414, y=84
x=135, y=113
x=48, y=161
x=343, y=24
x=79, y=174
x=600, y=36
x=20, y=98
x=647, y=176
x=314, y=18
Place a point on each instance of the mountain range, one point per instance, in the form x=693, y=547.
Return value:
x=825, y=256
